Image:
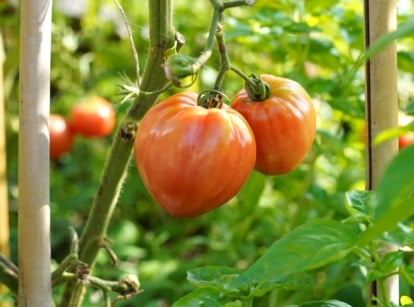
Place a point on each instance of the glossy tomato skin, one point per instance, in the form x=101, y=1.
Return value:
x=94, y=117
x=284, y=124
x=61, y=138
x=193, y=159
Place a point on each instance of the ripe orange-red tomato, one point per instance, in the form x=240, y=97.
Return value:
x=61, y=138
x=193, y=159
x=284, y=124
x=405, y=140
x=94, y=117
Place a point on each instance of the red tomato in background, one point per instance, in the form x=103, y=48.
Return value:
x=405, y=140
x=193, y=159
x=94, y=117
x=61, y=138
x=284, y=124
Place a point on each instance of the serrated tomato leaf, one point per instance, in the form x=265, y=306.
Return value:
x=307, y=247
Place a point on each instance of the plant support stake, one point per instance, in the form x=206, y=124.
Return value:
x=4, y=208
x=381, y=108
x=33, y=201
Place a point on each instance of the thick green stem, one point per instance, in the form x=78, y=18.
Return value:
x=224, y=58
x=162, y=37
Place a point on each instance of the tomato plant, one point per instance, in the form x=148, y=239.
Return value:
x=61, y=138
x=193, y=159
x=94, y=117
x=284, y=124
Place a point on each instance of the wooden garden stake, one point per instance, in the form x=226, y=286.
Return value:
x=4, y=210
x=33, y=202
x=381, y=107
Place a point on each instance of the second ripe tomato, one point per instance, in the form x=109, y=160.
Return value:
x=193, y=159
x=61, y=138
x=284, y=124
x=94, y=117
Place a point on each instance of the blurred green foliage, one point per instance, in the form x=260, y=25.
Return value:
x=313, y=42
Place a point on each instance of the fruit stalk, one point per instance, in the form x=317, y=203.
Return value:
x=162, y=37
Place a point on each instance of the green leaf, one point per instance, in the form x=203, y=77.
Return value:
x=403, y=30
x=402, y=235
x=300, y=27
x=317, y=5
x=212, y=276
x=329, y=303
x=357, y=201
x=388, y=264
x=405, y=61
x=204, y=297
x=389, y=134
x=219, y=278
x=409, y=109
x=394, y=195
x=307, y=247
x=287, y=282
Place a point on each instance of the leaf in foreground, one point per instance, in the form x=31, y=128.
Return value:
x=307, y=247
x=394, y=195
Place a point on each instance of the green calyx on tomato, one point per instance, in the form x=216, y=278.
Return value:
x=193, y=159
x=211, y=98
x=257, y=89
x=284, y=124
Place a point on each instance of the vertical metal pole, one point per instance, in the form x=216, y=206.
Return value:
x=33, y=202
x=381, y=105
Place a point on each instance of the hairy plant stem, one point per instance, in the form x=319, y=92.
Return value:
x=162, y=37
x=383, y=295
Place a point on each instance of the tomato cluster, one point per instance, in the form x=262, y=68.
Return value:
x=93, y=117
x=193, y=158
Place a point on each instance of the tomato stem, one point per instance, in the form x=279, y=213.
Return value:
x=162, y=38
x=179, y=66
x=211, y=98
x=224, y=58
x=258, y=90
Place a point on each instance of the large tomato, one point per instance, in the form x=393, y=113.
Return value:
x=284, y=124
x=61, y=138
x=193, y=159
x=94, y=117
